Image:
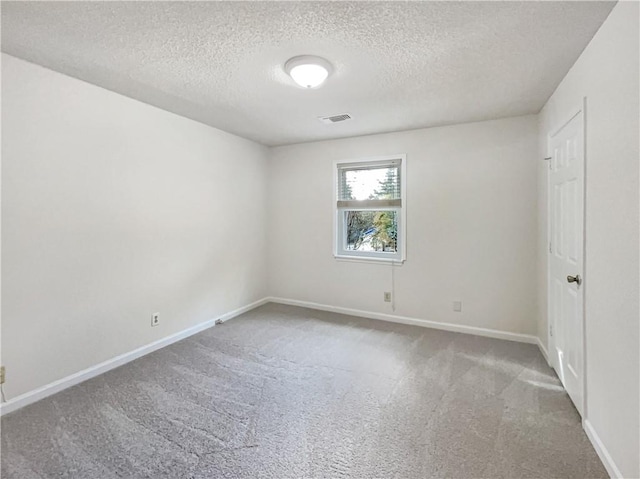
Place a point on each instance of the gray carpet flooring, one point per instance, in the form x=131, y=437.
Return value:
x=286, y=392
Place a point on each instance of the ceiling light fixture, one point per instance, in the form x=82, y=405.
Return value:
x=308, y=71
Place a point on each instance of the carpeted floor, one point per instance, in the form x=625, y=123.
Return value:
x=285, y=392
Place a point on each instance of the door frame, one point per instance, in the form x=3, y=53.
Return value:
x=581, y=108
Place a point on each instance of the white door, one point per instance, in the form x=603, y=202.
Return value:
x=566, y=255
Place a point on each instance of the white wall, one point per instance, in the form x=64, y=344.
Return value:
x=607, y=74
x=471, y=224
x=113, y=210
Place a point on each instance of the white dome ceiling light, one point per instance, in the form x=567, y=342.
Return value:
x=308, y=71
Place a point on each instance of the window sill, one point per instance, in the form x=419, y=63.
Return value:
x=367, y=259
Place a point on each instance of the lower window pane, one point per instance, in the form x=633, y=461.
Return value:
x=371, y=231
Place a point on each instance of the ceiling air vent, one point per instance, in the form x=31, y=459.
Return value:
x=334, y=119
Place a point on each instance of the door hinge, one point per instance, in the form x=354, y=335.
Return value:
x=550, y=247
x=551, y=330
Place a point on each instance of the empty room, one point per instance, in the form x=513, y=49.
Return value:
x=320, y=239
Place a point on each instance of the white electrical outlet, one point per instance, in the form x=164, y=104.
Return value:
x=155, y=319
x=387, y=297
x=457, y=306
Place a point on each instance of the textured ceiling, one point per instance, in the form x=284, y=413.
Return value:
x=396, y=65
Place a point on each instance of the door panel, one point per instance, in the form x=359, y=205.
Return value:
x=557, y=215
x=569, y=228
x=566, y=255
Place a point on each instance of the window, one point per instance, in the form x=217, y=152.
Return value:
x=370, y=209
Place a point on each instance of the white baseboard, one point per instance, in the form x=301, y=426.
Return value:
x=456, y=328
x=64, y=383
x=544, y=351
x=603, y=454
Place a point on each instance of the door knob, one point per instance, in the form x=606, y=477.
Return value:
x=575, y=279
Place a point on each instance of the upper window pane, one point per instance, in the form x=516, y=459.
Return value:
x=372, y=183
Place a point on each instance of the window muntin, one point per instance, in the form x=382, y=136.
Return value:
x=369, y=209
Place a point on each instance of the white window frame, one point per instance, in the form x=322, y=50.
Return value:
x=339, y=228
